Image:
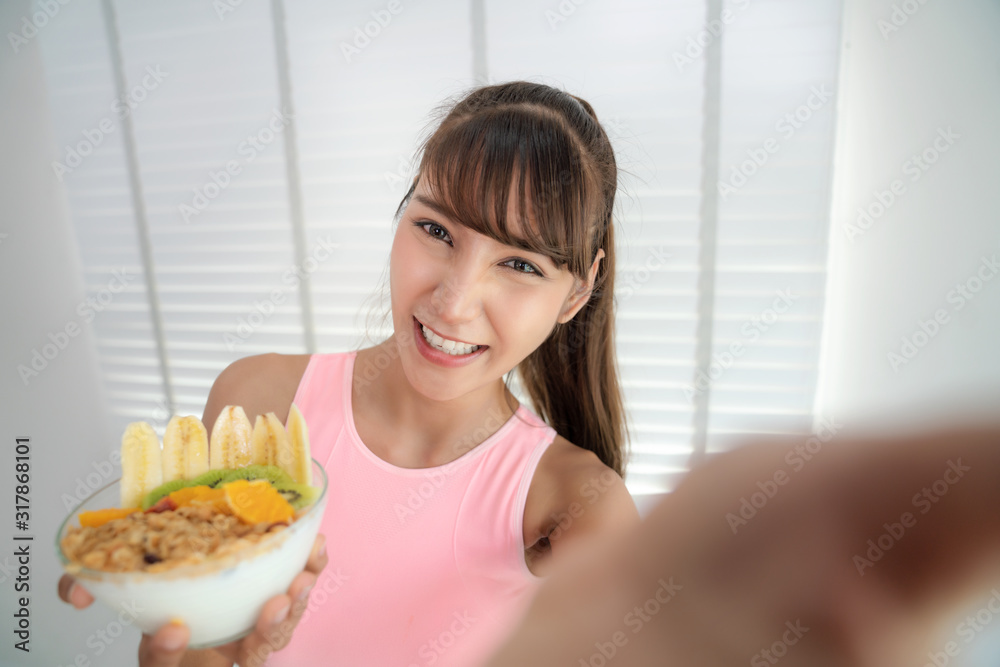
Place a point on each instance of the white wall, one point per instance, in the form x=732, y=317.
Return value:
x=61, y=409
x=939, y=70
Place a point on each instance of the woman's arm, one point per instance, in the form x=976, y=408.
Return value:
x=845, y=557
x=259, y=384
x=578, y=500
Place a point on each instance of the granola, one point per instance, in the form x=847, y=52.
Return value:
x=159, y=541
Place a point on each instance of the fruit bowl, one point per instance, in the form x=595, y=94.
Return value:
x=219, y=599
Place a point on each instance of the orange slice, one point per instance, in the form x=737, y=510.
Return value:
x=257, y=502
x=197, y=495
x=100, y=517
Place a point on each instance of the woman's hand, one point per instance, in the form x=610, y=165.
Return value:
x=853, y=552
x=277, y=621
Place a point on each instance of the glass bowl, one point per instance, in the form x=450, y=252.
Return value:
x=220, y=599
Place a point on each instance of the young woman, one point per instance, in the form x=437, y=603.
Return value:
x=449, y=500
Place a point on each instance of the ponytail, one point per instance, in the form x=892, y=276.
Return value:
x=572, y=378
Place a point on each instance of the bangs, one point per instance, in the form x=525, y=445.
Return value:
x=473, y=166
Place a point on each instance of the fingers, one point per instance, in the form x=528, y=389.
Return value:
x=65, y=584
x=318, y=558
x=273, y=631
x=73, y=593
x=166, y=648
x=299, y=591
x=277, y=622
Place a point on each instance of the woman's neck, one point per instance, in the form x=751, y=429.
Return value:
x=410, y=430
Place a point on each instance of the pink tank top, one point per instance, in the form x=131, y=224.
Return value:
x=426, y=566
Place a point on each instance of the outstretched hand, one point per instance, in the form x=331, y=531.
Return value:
x=853, y=555
x=277, y=621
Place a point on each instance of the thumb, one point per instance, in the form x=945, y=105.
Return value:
x=166, y=648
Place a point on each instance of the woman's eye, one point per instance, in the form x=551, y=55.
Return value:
x=522, y=266
x=435, y=230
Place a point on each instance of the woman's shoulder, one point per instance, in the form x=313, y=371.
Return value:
x=568, y=474
x=573, y=496
x=259, y=384
x=563, y=463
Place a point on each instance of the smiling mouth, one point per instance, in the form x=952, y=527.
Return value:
x=452, y=347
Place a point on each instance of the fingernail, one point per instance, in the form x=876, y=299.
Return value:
x=280, y=617
x=171, y=641
x=303, y=594
x=322, y=549
x=72, y=592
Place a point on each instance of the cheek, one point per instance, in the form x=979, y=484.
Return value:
x=413, y=256
x=399, y=292
x=528, y=317
x=403, y=268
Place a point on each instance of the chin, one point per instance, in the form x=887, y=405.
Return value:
x=435, y=389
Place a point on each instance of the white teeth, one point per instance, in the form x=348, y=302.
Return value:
x=451, y=347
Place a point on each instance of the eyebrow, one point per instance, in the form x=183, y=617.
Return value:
x=432, y=204
x=439, y=208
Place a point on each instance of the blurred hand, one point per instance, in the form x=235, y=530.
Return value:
x=278, y=619
x=855, y=552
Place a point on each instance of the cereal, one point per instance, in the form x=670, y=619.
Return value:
x=159, y=541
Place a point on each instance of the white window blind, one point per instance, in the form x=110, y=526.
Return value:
x=248, y=196
x=779, y=75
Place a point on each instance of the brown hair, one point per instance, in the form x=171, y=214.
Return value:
x=551, y=147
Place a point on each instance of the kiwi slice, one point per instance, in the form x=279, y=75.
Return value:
x=298, y=495
x=162, y=490
x=212, y=478
x=272, y=474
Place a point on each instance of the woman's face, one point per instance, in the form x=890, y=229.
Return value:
x=467, y=309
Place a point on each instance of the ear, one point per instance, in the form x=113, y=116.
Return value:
x=580, y=295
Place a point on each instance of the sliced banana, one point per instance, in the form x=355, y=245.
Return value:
x=230, y=442
x=185, y=448
x=268, y=439
x=142, y=468
x=295, y=457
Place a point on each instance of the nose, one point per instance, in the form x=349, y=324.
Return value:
x=458, y=295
